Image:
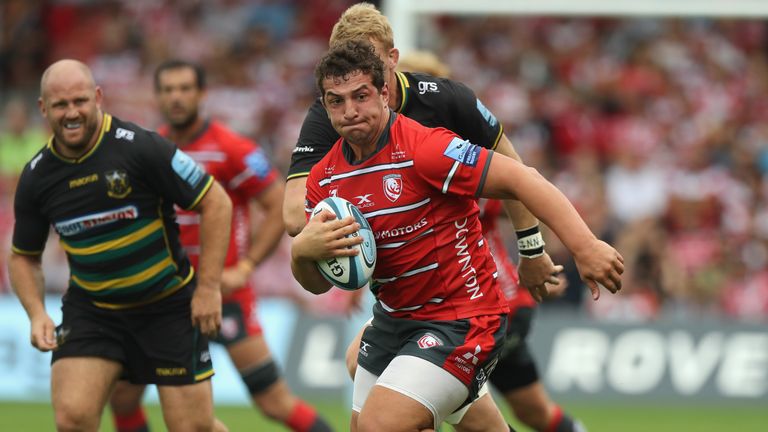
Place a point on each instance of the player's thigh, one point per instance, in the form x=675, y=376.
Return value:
x=82, y=384
x=249, y=352
x=482, y=415
x=390, y=410
x=187, y=407
x=418, y=386
x=126, y=397
x=241, y=333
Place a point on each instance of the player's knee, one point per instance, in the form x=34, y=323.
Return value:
x=533, y=415
x=70, y=418
x=261, y=377
x=372, y=423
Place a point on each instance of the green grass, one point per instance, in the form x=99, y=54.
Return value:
x=607, y=417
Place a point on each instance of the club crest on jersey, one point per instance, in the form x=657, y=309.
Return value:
x=428, y=341
x=393, y=186
x=117, y=184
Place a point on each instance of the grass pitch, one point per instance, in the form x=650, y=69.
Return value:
x=606, y=417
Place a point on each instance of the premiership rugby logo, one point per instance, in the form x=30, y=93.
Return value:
x=393, y=186
x=117, y=184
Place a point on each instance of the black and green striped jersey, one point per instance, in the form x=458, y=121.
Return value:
x=113, y=211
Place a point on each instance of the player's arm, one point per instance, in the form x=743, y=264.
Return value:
x=535, y=267
x=473, y=121
x=26, y=276
x=294, y=215
x=270, y=231
x=316, y=138
x=215, y=210
x=598, y=263
x=323, y=237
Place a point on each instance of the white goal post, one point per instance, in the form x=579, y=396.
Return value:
x=404, y=15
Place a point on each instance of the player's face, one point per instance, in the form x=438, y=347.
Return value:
x=357, y=110
x=72, y=106
x=179, y=97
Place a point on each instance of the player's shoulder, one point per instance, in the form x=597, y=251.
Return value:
x=36, y=167
x=423, y=85
x=416, y=132
x=130, y=136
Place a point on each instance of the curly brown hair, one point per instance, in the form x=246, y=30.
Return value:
x=344, y=59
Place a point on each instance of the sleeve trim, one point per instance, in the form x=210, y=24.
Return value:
x=25, y=252
x=297, y=175
x=498, y=138
x=202, y=193
x=484, y=175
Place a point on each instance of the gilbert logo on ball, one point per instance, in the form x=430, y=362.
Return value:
x=349, y=273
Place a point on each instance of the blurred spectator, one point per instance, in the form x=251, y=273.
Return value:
x=657, y=129
x=20, y=139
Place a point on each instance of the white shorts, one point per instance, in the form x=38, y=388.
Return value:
x=430, y=385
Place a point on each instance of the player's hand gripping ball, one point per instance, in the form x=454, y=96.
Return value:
x=349, y=273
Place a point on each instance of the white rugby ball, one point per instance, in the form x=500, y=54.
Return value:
x=349, y=273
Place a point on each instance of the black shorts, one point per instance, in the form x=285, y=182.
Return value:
x=466, y=348
x=156, y=343
x=516, y=367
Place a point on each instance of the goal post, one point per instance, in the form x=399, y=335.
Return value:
x=404, y=15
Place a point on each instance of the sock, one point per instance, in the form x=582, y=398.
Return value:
x=134, y=422
x=561, y=422
x=304, y=418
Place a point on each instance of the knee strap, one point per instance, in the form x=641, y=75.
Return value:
x=259, y=378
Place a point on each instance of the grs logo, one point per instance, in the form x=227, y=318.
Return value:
x=125, y=134
x=426, y=86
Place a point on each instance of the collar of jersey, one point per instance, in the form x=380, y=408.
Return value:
x=349, y=155
x=404, y=86
x=106, y=124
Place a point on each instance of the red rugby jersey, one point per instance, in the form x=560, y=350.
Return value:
x=516, y=295
x=418, y=193
x=244, y=171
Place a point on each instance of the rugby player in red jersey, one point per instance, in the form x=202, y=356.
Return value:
x=440, y=317
x=248, y=176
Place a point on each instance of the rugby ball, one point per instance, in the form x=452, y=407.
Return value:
x=349, y=273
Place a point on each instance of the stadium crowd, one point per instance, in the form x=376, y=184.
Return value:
x=656, y=129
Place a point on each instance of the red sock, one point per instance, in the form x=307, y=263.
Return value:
x=302, y=417
x=555, y=422
x=133, y=422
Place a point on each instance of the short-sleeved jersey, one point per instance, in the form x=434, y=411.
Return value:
x=418, y=193
x=431, y=101
x=516, y=295
x=243, y=170
x=113, y=211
